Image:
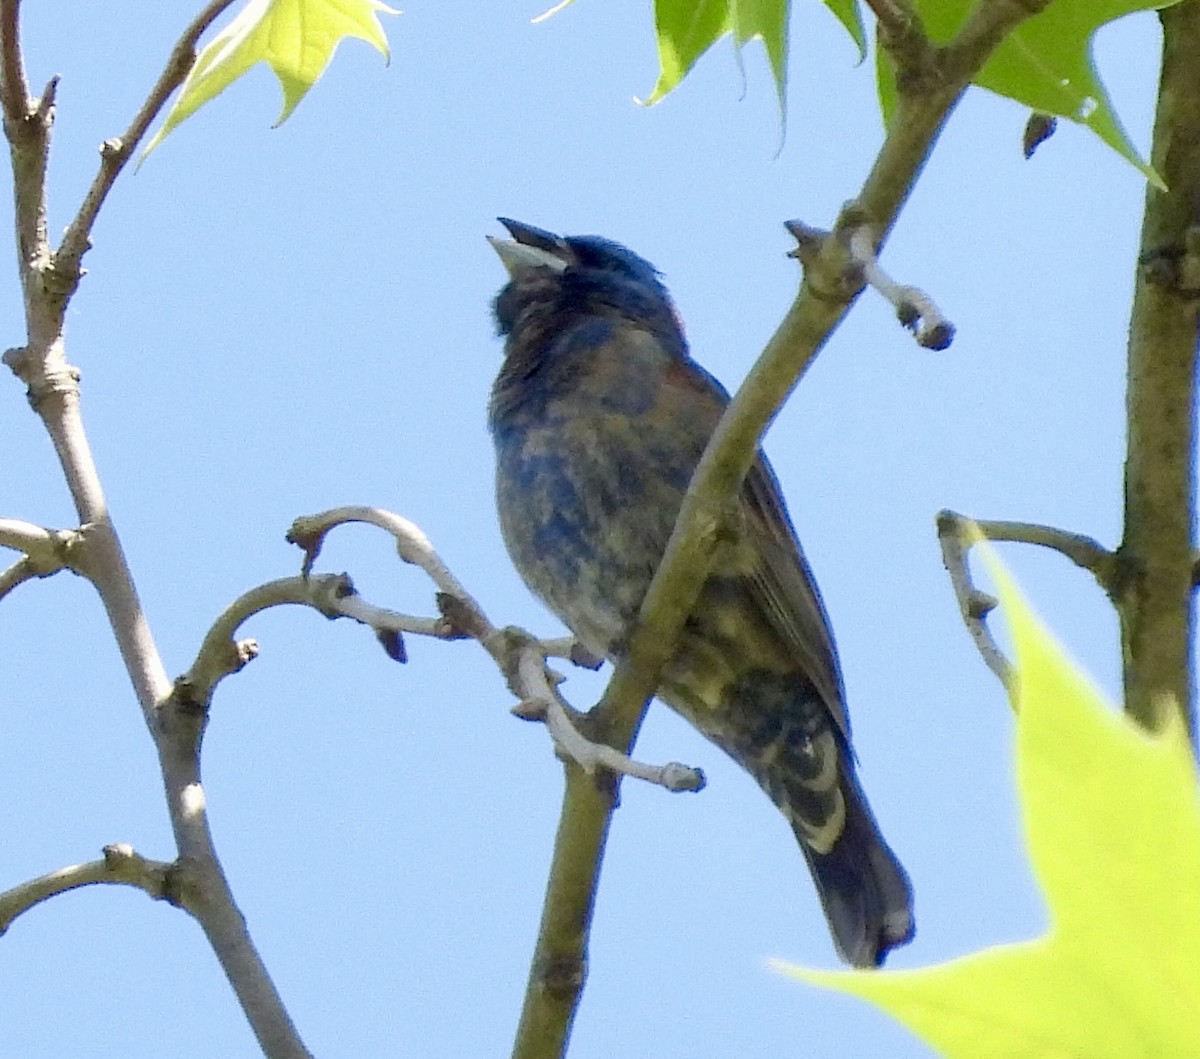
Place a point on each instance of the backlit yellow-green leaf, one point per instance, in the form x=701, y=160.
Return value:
x=1112, y=820
x=296, y=38
x=686, y=29
x=1045, y=64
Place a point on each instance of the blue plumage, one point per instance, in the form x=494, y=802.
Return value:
x=599, y=417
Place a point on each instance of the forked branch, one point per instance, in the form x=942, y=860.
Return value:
x=520, y=656
x=957, y=533
x=120, y=866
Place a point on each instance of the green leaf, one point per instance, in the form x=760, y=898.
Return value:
x=1112, y=821
x=686, y=29
x=296, y=38
x=848, y=15
x=1045, y=64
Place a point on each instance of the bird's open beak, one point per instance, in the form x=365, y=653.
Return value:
x=530, y=247
x=517, y=256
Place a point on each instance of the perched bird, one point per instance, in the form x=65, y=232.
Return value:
x=600, y=416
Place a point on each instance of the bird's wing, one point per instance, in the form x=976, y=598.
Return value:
x=782, y=583
x=769, y=562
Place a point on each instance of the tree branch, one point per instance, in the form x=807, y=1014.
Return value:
x=115, y=153
x=521, y=657
x=560, y=958
x=46, y=552
x=121, y=866
x=16, y=575
x=1085, y=552
x=27, y=125
x=893, y=16
x=564, y=723
x=48, y=283
x=956, y=534
x=1155, y=601
x=902, y=40
x=14, y=88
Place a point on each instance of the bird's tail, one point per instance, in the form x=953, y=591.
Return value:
x=864, y=890
x=781, y=731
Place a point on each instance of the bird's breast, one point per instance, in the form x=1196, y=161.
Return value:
x=587, y=499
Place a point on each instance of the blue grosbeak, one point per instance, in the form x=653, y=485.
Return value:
x=599, y=417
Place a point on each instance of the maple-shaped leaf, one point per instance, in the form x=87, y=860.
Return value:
x=296, y=38
x=1112, y=821
x=1045, y=64
x=686, y=29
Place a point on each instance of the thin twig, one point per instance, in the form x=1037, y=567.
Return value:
x=571, y=650
x=521, y=657
x=309, y=532
x=220, y=655
x=46, y=552
x=121, y=866
x=914, y=308
x=1085, y=552
x=27, y=128
x=956, y=535
x=14, y=88
x=46, y=548
x=115, y=153
x=16, y=575
x=333, y=595
x=546, y=705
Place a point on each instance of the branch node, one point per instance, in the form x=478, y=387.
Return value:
x=1188, y=280
x=529, y=710
x=902, y=38
x=574, y=652
x=809, y=241
x=835, y=285
x=44, y=106
x=980, y=604
x=117, y=854
x=308, y=535
x=42, y=387
x=16, y=359
x=329, y=593
x=46, y=552
x=1174, y=267
x=462, y=620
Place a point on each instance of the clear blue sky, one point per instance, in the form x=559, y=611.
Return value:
x=279, y=321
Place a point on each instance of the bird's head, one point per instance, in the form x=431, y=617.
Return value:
x=553, y=276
